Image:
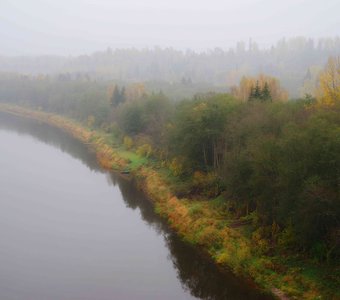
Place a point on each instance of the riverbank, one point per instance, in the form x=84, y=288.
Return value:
x=199, y=222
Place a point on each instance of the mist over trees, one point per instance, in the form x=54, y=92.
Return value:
x=225, y=113
x=273, y=160
x=296, y=62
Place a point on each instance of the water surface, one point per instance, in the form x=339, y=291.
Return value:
x=69, y=230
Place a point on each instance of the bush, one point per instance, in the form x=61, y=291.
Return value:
x=176, y=166
x=128, y=142
x=207, y=184
x=144, y=150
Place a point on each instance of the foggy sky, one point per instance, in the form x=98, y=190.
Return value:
x=35, y=27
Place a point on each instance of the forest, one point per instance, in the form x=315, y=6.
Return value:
x=296, y=62
x=275, y=162
x=170, y=149
x=268, y=164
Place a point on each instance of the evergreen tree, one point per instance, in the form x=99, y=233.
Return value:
x=122, y=95
x=118, y=96
x=265, y=94
x=251, y=95
x=257, y=91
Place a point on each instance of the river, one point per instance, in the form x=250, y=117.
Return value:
x=72, y=231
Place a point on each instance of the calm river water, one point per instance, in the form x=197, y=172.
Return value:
x=71, y=231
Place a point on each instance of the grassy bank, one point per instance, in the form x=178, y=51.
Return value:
x=202, y=222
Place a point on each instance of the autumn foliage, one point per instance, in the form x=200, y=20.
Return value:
x=329, y=83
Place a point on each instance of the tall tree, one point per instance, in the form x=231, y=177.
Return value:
x=118, y=96
x=257, y=91
x=329, y=90
x=265, y=94
x=251, y=94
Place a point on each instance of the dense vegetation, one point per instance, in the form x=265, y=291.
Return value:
x=295, y=62
x=275, y=162
x=270, y=165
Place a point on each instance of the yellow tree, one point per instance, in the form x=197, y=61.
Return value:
x=310, y=81
x=109, y=91
x=135, y=92
x=329, y=82
x=242, y=91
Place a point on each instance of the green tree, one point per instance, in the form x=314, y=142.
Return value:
x=255, y=93
x=251, y=96
x=265, y=93
x=118, y=96
x=198, y=131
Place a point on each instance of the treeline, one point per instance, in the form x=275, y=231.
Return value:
x=78, y=98
x=274, y=163
x=295, y=62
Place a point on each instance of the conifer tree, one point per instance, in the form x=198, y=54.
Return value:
x=265, y=94
x=251, y=95
x=257, y=91
x=118, y=96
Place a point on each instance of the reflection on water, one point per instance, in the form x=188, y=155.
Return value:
x=197, y=275
x=49, y=135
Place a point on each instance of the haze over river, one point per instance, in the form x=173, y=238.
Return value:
x=71, y=231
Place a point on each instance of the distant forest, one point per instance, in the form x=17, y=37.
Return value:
x=295, y=62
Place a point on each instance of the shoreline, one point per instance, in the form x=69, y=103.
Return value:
x=196, y=222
